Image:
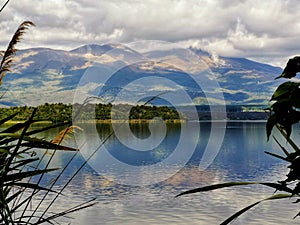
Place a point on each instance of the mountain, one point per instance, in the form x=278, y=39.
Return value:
x=118, y=73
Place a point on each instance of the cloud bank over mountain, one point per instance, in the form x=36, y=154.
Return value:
x=267, y=31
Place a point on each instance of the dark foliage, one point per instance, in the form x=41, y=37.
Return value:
x=59, y=112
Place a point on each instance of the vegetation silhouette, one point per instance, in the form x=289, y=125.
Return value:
x=19, y=163
x=291, y=69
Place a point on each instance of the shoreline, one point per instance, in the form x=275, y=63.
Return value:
x=22, y=121
x=137, y=121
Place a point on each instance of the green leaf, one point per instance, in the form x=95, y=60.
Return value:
x=282, y=148
x=284, y=91
x=294, y=99
x=13, y=197
x=31, y=186
x=5, y=151
x=288, y=130
x=290, y=141
x=215, y=186
x=237, y=214
x=294, y=116
x=277, y=156
x=22, y=175
x=278, y=187
x=36, y=142
x=23, y=162
x=47, y=145
x=291, y=69
x=272, y=120
x=240, y=212
x=231, y=184
x=8, y=118
x=14, y=128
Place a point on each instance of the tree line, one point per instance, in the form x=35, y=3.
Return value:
x=59, y=112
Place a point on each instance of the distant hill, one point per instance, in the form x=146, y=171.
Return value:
x=47, y=75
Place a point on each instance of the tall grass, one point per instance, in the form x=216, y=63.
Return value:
x=19, y=163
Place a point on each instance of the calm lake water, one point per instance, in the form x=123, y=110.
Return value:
x=240, y=158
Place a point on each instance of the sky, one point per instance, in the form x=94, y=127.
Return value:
x=263, y=30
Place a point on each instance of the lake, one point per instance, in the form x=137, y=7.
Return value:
x=241, y=157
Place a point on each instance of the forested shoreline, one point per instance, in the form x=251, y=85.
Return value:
x=59, y=112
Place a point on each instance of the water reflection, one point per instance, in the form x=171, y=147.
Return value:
x=241, y=157
x=127, y=165
x=134, y=157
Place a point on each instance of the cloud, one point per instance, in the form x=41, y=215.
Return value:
x=267, y=30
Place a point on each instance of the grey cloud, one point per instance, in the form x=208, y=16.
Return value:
x=245, y=28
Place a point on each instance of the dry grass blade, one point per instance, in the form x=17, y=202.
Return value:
x=7, y=58
x=65, y=133
x=71, y=210
x=155, y=97
x=4, y=5
x=37, y=131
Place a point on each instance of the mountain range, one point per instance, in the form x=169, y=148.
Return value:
x=130, y=74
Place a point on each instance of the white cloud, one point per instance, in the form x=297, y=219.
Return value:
x=268, y=30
